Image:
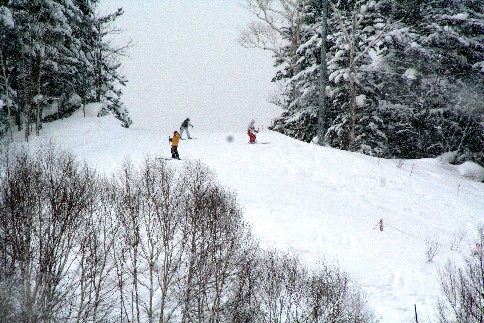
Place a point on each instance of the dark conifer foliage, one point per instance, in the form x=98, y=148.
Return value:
x=419, y=78
x=54, y=58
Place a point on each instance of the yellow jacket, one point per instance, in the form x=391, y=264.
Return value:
x=175, y=140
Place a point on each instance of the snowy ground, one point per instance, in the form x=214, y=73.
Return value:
x=320, y=203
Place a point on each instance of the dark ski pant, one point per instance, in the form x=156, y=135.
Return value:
x=251, y=137
x=174, y=152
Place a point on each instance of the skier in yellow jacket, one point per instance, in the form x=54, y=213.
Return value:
x=174, y=145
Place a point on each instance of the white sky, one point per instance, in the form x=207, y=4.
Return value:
x=187, y=62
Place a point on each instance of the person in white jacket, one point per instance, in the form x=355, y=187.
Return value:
x=184, y=127
x=251, y=132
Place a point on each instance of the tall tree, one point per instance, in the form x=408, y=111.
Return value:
x=8, y=48
x=432, y=86
x=405, y=79
x=56, y=58
x=106, y=67
x=300, y=79
x=279, y=30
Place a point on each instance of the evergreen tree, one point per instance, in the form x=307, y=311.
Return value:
x=301, y=101
x=106, y=67
x=9, y=49
x=417, y=88
x=300, y=120
x=435, y=76
x=55, y=59
x=354, y=73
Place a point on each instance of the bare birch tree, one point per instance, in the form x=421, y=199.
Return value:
x=268, y=32
x=96, y=266
x=160, y=249
x=44, y=204
x=279, y=30
x=163, y=189
x=127, y=208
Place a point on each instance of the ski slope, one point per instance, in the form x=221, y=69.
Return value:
x=318, y=202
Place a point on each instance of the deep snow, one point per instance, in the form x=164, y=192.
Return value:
x=319, y=202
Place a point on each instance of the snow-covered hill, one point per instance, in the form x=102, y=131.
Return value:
x=320, y=203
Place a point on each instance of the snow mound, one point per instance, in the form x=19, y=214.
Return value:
x=472, y=171
x=93, y=109
x=469, y=170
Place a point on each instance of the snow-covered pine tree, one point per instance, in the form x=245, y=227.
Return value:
x=354, y=75
x=60, y=56
x=9, y=47
x=281, y=29
x=85, y=42
x=106, y=66
x=419, y=88
x=51, y=57
x=431, y=92
x=300, y=120
x=454, y=33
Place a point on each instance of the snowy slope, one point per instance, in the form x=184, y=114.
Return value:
x=319, y=203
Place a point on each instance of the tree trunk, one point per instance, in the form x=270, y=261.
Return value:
x=190, y=274
x=352, y=92
x=461, y=141
x=28, y=109
x=7, y=94
x=38, y=123
x=98, y=69
x=323, y=77
x=135, y=278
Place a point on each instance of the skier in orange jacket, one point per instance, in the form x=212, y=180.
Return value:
x=174, y=145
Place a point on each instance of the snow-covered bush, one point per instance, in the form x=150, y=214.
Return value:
x=432, y=249
x=463, y=288
x=289, y=292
